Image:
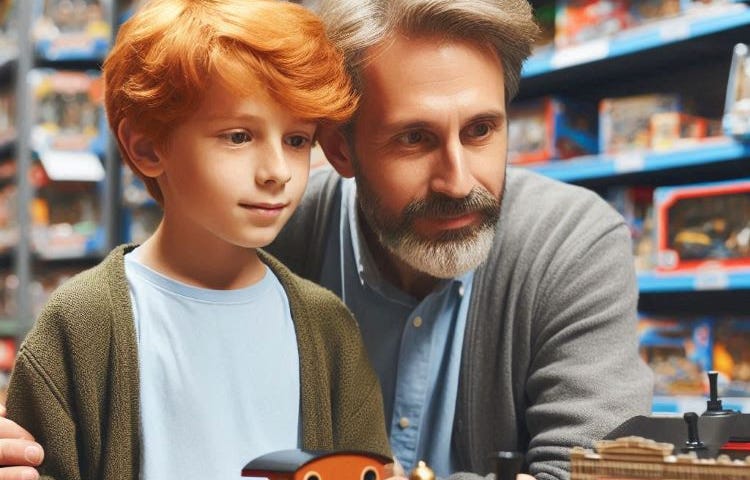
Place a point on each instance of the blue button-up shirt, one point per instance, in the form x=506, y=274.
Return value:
x=414, y=346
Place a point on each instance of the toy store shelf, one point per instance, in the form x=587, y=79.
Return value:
x=706, y=22
x=709, y=279
x=697, y=404
x=605, y=166
x=702, y=38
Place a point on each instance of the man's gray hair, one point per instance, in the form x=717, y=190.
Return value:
x=506, y=25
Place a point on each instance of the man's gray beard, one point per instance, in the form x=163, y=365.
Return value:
x=440, y=258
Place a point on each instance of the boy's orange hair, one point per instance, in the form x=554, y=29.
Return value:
x=168, y=53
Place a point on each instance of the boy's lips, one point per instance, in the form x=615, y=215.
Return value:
x=266, y=209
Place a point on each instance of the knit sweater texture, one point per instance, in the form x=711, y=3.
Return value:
x=75, y=384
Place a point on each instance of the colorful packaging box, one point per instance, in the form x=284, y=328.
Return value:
x=703, y=225
x=551, y=128
x=580, y=21
x=731, y=356
x=636, y=205
x=674, y=130
x=625, y=123
x=679, y=351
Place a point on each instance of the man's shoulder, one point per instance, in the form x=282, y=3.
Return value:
x=533, y=198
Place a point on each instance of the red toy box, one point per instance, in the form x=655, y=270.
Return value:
x=703, y=225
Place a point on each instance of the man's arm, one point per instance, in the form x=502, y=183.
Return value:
x=18, y=450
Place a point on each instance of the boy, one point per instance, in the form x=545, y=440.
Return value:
x=193, y=353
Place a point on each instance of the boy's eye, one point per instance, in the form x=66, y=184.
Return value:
x=237, y=138
x=296, y=141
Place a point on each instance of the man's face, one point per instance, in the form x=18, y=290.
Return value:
x=429, y=152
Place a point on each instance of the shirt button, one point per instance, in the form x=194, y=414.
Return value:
x=417, y=322
x=403, y=422
x=461, y=291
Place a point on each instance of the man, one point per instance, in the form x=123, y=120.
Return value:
x=498, y=307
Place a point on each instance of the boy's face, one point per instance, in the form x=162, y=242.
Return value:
x=235, y=170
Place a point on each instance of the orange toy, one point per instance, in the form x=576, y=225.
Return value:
x=306, y=465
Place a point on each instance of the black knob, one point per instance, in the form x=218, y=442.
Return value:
x=693, y=442
x=507, y=465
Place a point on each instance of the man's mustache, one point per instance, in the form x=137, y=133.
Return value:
x=440, y=205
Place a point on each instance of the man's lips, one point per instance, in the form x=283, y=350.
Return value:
x=448, y=223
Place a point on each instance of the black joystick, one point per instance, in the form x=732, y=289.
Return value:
x=508, y=465
x=714, y=407
x=693, y=442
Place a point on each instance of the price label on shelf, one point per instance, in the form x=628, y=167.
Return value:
x=584, y=53
x=711, y=280
x=629, y=162
x=671, y=31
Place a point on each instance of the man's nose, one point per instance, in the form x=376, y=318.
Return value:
x=451, y=175
x=273, y=167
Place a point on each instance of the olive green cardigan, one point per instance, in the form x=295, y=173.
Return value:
x=75, y=383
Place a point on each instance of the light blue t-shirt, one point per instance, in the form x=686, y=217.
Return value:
x=415, y=346
x=219, y=374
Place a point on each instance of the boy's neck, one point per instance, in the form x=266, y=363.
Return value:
x=201, y=264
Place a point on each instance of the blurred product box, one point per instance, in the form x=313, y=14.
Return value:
x=674, y=130
x=636, y=205
x=70, y=29
x=736, y=120
x=551, y=128
x=701, y=226
x=68, y=113
x=625, y=123
x=580, y=21
x=679, y=351
x=732, y=356
x=644, y=11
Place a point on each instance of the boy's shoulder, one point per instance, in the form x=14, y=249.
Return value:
x=84, y=304
x=308, y=300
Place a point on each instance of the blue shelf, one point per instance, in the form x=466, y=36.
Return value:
x=606, y=166
x=639, y=39
x=713, y=279
x=680, y=404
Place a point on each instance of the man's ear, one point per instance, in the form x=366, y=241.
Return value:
x=141, y=150
x=337, y=150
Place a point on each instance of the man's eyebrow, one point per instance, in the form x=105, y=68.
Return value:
x=405, y=125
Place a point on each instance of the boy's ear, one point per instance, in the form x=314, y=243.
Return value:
x=337, y=150
x=140, y=149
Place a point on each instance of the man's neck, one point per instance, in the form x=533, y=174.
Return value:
x=407, y=279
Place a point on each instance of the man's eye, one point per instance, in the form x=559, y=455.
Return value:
x=411, y=138
x=479, y=130
x=237, y=138
x=296, y=141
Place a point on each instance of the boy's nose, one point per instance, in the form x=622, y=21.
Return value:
x=273, y=168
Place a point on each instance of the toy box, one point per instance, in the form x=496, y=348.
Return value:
x=551, y=128
x=68, y=112
x=731, y=356
x=679, y=351
x=579, y=21
x=673, y=129
x=736, y=120
x=71, y=29
x=625, y=123
x=636, y=205
x=703, y=225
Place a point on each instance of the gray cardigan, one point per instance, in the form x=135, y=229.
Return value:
x=550, y=355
